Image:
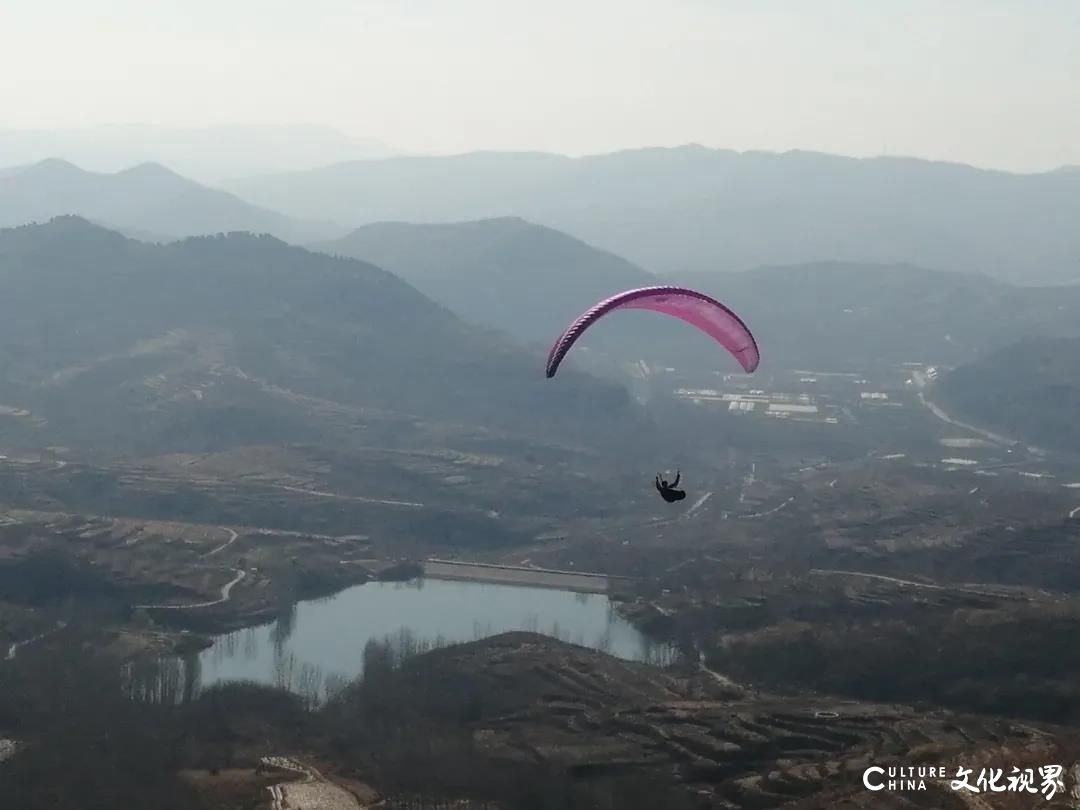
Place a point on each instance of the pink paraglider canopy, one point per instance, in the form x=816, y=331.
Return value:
x=698, y=309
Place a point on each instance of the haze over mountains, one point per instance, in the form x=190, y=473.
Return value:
x=683, y=210
x=840, y=316
x=292, y=517
x=530, y=281
x=694, y=209
x=378, y=398
x=119, y=346
x=509, y=274
x=147, y=200
x=208, y=154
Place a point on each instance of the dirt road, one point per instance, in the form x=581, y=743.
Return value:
x=320, y=494
x=311, y=792
x=978, y=589
x=226, y=591
x=232, y=539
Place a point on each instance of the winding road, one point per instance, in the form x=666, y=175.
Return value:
x=224, y=545
x=312, y=791
x=944, y=417
x=226, y=592
x=774, y=510
x=723, y=680
x=996, y=438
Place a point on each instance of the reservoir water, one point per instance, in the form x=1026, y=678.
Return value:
x=329, y=635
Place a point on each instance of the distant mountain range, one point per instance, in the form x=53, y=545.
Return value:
x=1029, y=391
x=843, y=317
x=207, y=343
x=147, y=201
x=530, y=281
x=693, y=209
x=209, y=154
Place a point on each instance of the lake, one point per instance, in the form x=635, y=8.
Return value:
x=328, y=635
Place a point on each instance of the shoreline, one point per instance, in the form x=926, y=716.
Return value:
x=196, y=631
x=496, y=574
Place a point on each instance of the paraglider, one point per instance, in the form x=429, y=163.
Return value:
x=697, y=309
x=668, y=491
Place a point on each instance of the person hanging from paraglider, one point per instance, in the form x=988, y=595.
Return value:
x=693, y=307
x=668, y=491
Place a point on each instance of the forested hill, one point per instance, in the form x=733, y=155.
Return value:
x=1028, y=391
x=842, y=317
x=235, y=339
x=525, y=279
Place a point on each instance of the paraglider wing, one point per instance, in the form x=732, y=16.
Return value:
x=698, y=309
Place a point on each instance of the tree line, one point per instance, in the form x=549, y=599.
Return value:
x=100, y=736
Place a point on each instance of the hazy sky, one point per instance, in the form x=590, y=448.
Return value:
x=990, y=82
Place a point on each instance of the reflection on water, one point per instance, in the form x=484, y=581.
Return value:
x=316, y=643
x=282, y=629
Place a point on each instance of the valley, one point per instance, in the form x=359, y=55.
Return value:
x=822, y=545
x=292, y=519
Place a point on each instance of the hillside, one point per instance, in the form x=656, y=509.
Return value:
x=1028, y=391
x=693, y=209
x=479, y=269
x=147, y=198
x=828, y=316
x=572, y=723
x=221, y=341
x=843, y=317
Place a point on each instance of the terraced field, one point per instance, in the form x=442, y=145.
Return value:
x=600, y=718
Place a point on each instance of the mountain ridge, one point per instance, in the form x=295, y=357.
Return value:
x=504, y=273
x=828, y=315
x=210, y=154
x=115, y=342
x=843, y=316
x=147, y=197
x=695, y=209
